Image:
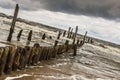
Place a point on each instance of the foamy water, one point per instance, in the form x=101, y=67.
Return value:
x=91, y=63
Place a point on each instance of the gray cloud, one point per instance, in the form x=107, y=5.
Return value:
x=102, y=8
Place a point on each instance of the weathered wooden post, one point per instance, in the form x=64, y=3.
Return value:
x=59, y=34
x=68, y=32
x=10, y=59
x=66, y=43
x=3, y=60
x=19, y=35
x=91, y=41
x=55, y=44
x=84, y=37
x=75, y=34
x=13, y=23
x=64, y=33
x=78, y=42
x=71, y=32
x=44, y=36
x=17, y=59
x=29, y=37
x=75, y=50
x=81, y=43
x=75, y=45
x=27, y=54
x=36, y=53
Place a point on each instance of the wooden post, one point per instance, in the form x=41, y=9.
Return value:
x=66, y=43
x=71, y=32
x=1, y=51
x=10, y=59
x=55, y=44
x=75, y=34
x=13, y=23
x=78, y=42
x=64, y=33
x=81, y=43
x=22, y=59
x=19, y=35
x=68, y=32
x=84, y=37
x=3, y=60
x=91, y=41
x=29, y=37
x=44, y=36
x=27, y=54
x=17, y=59
x=75, y=50
x=59, y=34
x=36, y=52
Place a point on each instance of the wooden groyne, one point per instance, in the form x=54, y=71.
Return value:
x=13, y=57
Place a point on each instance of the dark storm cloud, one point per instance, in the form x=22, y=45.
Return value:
x=103, y=8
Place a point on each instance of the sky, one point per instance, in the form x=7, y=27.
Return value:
x=101, y=18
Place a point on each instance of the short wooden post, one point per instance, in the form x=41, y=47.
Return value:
x=36, y=53
x=27, y=53
x=75, y=50
x=59, y=34
x=84, y=37
x=50, y=37
x=13, y=23
x=43, y=53
x=29, y=37
x=71, y=32
x=44, y=36
x=91, y=41
x=16, y=62
x=55, y=44
x=78, y=42
x=81, y=43
x=10, y=59
x=1, y=51
x=3, y=60
x=75, y=34
x=66, y=43
x=68, y=32
x=19, y=35
x=22, y=59
x=64, y=33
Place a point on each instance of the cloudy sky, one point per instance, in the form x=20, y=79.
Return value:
x=101, y=18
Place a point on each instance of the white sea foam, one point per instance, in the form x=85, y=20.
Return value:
x=17, y=77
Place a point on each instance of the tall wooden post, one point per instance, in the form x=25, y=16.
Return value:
x=75, y=34
x=19, y=35
x=84, y=37
x=13, y=23
x=59, y=34
x=64, y=33
x=71, y=32
x=68, y=32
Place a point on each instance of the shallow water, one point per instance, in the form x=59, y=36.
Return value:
x=91, y=63
x=100, y=65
